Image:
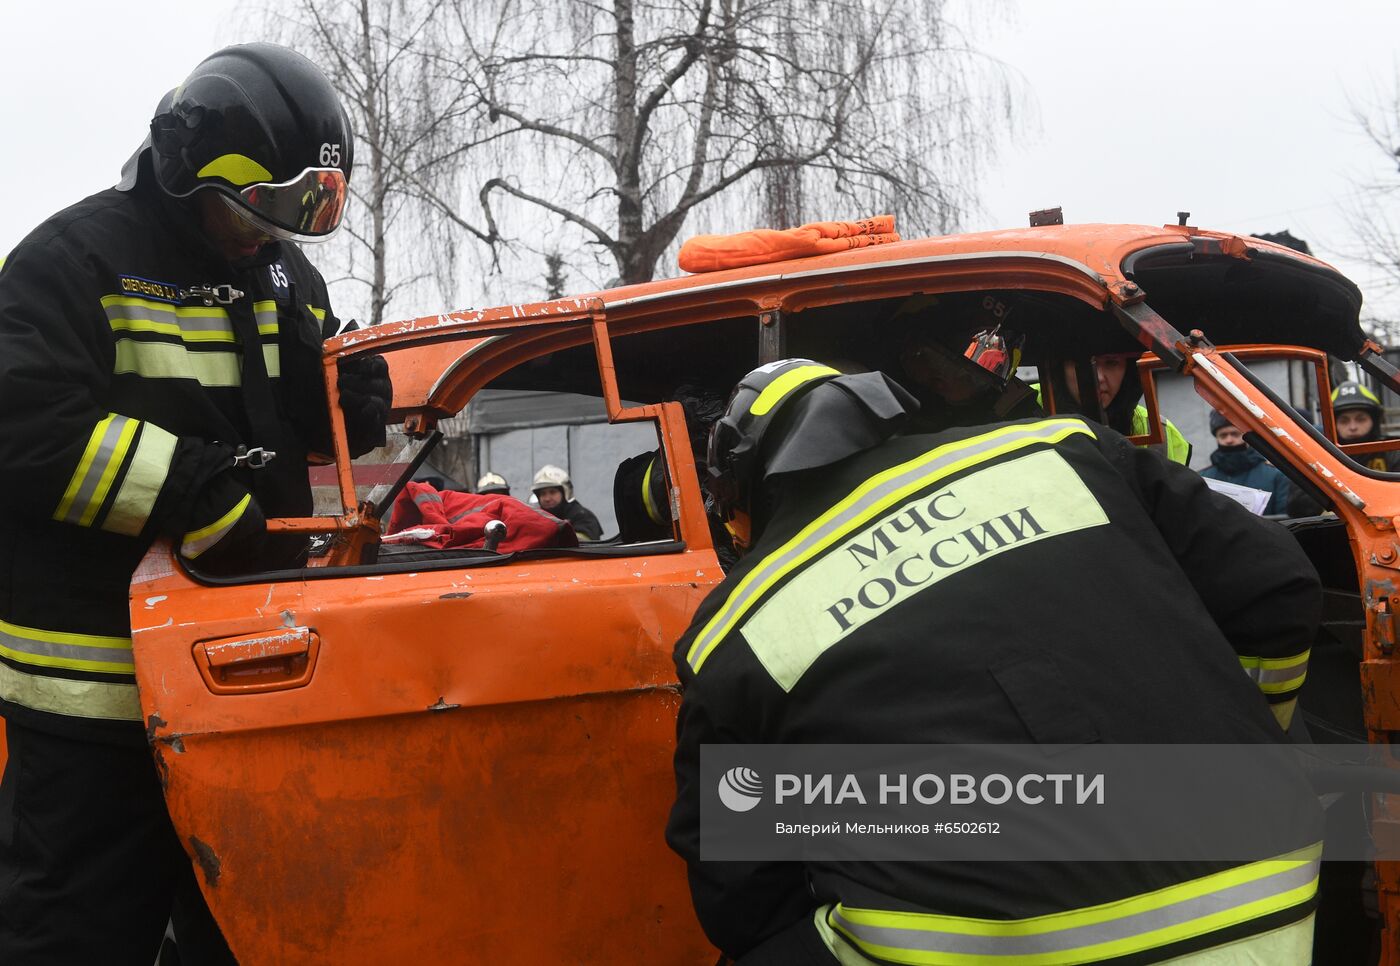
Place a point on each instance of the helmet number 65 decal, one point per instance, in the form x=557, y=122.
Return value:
x=330, y=155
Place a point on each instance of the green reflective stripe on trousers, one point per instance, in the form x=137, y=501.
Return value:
x=875, y=495
x=189, y=323
x=80, y=699
x=198, y=541
x=266, y=314
x=1135, y=925
x=142, y=483
x=87, y=488
x=1289, y=945
x=81, y=652
x=162, y=360
x=1276, y=675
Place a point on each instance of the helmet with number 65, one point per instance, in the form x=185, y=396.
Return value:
x=263, y=127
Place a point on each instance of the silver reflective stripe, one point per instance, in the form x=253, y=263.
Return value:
x=163, y=360
x=85, y=652
x=1296, y=673
x=189, y=323
x=1125, y=929
x=870, y=498
x=97, y=469
x=142, y=484
x=1273, y=678
x=422, y=498
x=465, y=513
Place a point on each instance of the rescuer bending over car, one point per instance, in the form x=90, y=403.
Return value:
x=985, y=542
x=160, y=374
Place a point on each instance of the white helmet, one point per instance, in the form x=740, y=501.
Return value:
x=553, y=476
x=493, y=483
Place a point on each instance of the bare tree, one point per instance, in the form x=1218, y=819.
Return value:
x=383, y=57
x=620, y=119
x=1376, y=216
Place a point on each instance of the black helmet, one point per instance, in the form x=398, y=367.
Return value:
x=262, y=126
x=1353, y=395
x=795, y=415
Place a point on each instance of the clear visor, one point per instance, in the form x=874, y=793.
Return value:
x=306, y=208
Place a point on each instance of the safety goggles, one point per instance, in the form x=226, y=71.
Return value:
x=306, y=208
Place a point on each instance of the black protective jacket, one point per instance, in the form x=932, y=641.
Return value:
x=134, y=360
x=583, y=520
x=1039, y=581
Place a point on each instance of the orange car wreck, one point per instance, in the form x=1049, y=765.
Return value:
x=467, y=754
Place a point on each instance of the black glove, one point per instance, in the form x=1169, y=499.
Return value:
x=365, y=396
x=225, y=530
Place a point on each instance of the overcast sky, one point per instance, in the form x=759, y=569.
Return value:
x=1236, y=110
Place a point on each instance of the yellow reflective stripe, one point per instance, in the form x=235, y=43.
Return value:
x=197, y=541
x=1277, y=675
x=652, y=513
x=161, y=360
x=319, y=313
x=236, y=169
x=1292, y=943
x=75, y=483
x=170, y=328
x=785, y=384
x=82, y=652
x=1125, y=927
x=109, y=473
x=189, y=323
x=272, y=359
x=888, y=488
x=83, y=699
x=143, y=482
x=266, y=314
x=102, y=457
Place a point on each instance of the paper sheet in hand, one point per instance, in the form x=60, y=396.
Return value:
x=1246, y=496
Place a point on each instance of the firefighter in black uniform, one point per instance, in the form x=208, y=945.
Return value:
x=159, y=343
x=931, y=588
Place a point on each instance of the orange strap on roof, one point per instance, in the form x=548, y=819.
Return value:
x=711, y=253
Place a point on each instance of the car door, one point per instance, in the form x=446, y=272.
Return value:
x=461, y=759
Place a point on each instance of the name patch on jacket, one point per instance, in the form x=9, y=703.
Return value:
x=912, y=548
x=151, y=289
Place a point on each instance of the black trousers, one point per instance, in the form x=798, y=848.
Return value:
x=91, y=869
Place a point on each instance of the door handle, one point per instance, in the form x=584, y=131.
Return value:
x=257, y=663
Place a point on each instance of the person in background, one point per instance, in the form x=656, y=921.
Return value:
x=1119, y=389
x=1358, y=414
x=1235, y=462
x=555, y=493
x=492, y=484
